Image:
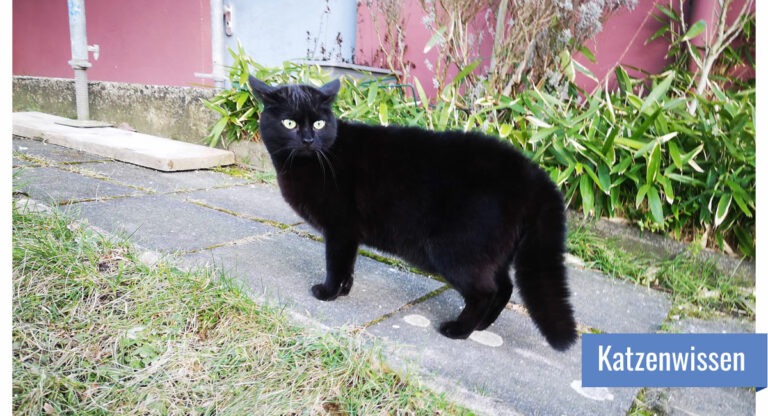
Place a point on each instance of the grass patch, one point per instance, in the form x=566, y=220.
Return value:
x=97, y=332
x=243, y=172
x=649, y=402
x=32, y=159
x=697, y=287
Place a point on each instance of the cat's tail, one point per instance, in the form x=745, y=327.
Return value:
x=540, y=275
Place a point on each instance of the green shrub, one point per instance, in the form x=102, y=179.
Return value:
x=238, y=108
x=647, y=159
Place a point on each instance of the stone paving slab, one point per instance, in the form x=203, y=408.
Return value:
x=51, y=152
x=722, y=325
x=162, y=182
x=137, y=148
x=167, y=224
x=260, y=201
x=510, y=362
x=284, y=267
x=49, y=184
x=699, y=400
x=703, y=401
x=633, y=308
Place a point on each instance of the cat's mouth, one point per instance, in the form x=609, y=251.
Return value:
x=322, y=158
x=306, y=150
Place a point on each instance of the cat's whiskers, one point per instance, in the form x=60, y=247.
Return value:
x=322, y=166
x=321, y=157
x=288, y=160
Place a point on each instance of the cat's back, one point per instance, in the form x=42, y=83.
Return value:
x=450, y=154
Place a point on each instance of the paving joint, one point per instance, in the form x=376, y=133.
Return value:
x=98, y=176
x=407, y=306
x=103, y=177
x=73, y=202
x=232, y=243
x=265, y=221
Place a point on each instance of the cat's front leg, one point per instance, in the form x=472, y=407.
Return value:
x=340, y=254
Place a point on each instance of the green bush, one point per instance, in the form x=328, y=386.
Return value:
x=648, y=160
x=625, y=154
x=238, y=108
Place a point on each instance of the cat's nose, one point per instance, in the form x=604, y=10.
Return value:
x=308, y=140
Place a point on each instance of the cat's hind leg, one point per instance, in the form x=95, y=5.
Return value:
x=504, y=293
x=479, y=291
x=474, y=310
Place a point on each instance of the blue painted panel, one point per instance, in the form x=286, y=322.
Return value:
x=273, y=31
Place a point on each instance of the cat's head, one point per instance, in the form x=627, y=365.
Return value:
x=297, y=119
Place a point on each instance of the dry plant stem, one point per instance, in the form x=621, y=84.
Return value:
x=392, y=43
x=454, y=18
x=713, y=45
x=528, y=38
x=497, y=39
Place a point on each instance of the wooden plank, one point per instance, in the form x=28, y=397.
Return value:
x=141, y=149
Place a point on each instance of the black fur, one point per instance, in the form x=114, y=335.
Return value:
x=462, y=205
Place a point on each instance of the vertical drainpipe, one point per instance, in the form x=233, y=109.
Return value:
x=79, y=60
x=217, y=44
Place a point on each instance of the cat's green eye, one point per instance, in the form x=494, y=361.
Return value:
x=319, y=124
x=289, y=124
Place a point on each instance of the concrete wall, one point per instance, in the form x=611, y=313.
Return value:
x=165, y=42
x=161, y=110
x=166, y=111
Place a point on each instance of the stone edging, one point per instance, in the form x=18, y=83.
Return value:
x=649, y=244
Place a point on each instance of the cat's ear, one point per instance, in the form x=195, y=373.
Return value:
x=330, y=90
x=262, y=91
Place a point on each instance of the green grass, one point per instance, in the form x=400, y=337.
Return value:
x=649, y=403
x=238, y=171
x=697, y=287
x=97, y=332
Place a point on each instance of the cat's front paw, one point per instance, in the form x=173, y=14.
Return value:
x=455, y=330
x=321, y=293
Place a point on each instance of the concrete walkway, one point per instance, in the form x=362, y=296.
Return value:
x=205, y=218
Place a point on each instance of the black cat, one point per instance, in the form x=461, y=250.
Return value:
x=459, y=204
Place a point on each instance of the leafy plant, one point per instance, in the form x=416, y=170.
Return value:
x=648, y=160
x=237, y=106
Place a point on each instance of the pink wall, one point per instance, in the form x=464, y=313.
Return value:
x=708, y=10
x=621, y=42
x=162, y=42
x=417, y=36
x=165, y=42
x=41, y=38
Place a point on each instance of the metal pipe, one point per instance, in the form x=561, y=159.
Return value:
x=79, y=61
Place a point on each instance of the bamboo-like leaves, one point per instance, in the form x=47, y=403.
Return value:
x=694, y=31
